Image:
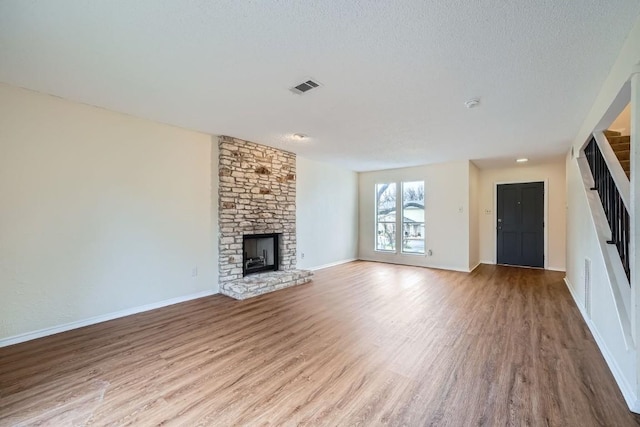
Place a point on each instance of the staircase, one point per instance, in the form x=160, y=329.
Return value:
x=614, y=200
x=621, y=146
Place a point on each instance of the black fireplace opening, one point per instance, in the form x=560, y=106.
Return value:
x=260, y=253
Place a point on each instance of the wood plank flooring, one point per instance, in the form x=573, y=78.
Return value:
x=363, y=344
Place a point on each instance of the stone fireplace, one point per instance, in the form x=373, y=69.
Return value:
x=256, y=196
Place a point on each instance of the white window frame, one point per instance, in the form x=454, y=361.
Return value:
x=375, y=233
x=401, y=220
x=399, y=223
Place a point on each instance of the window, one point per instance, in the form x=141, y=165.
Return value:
x=386, y=217
x=410, y=222
x=413, y=217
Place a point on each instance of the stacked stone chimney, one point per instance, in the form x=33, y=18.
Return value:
x=257, y=195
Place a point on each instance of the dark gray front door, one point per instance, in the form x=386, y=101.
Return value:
x=521, y=224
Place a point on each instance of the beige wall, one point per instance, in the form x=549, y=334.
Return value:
x=326, y=214
x=446, y=214
x=554, y=175
x=101, y=212
x=474, y=216
x=622, y=123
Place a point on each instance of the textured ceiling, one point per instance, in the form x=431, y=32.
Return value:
x=395, y=74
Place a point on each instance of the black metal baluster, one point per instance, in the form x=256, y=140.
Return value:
x=612, y=204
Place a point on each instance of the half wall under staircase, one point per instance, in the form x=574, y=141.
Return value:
x=598, y=255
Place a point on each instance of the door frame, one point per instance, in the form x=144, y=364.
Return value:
x=494, y=226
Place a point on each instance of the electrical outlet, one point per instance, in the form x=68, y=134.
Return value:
x=487, y=211
x=301, y=255
x=430, y=252
x=194, y=272
x=460, y=209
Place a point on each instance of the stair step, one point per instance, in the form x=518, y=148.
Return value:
x=621, y=146
x=608, y=133
x=623, y=154
x=619, y=139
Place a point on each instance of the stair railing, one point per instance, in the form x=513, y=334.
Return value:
x=611, y=190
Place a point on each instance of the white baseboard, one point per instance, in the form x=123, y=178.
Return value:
x=461, y=270
x=28, y=336
x=546, y=268
x=474, y=267
x=434, y=266
x=332, y=264
x=627, y=390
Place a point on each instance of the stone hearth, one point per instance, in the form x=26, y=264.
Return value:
x=258, y=284
x=257, y=195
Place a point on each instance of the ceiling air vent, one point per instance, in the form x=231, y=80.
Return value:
x=305, y=87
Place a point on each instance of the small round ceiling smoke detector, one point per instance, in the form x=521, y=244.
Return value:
x=299, y=136
x=472, y=103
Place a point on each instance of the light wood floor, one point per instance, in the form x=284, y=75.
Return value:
x=364, y=344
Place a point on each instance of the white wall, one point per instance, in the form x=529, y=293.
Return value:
x=446, y=214
x=101, y=213
x=474, y=216
x=554, y=175
x=583, y=244
x=326, y=214
x=581, y=240
x=601, y=114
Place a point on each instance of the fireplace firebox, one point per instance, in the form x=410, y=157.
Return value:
x=260, y=252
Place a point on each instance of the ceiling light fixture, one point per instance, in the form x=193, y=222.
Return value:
x=299, y=136
x=474, y=102
x=522, y=160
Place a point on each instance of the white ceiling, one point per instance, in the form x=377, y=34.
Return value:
x=395, y=73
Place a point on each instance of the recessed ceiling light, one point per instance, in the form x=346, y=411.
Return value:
x=299, y=136
x=474, y=102
x=522, y=160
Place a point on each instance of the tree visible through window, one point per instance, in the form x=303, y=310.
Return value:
x=386, y=217
x=410, y=222
x=413, y=217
